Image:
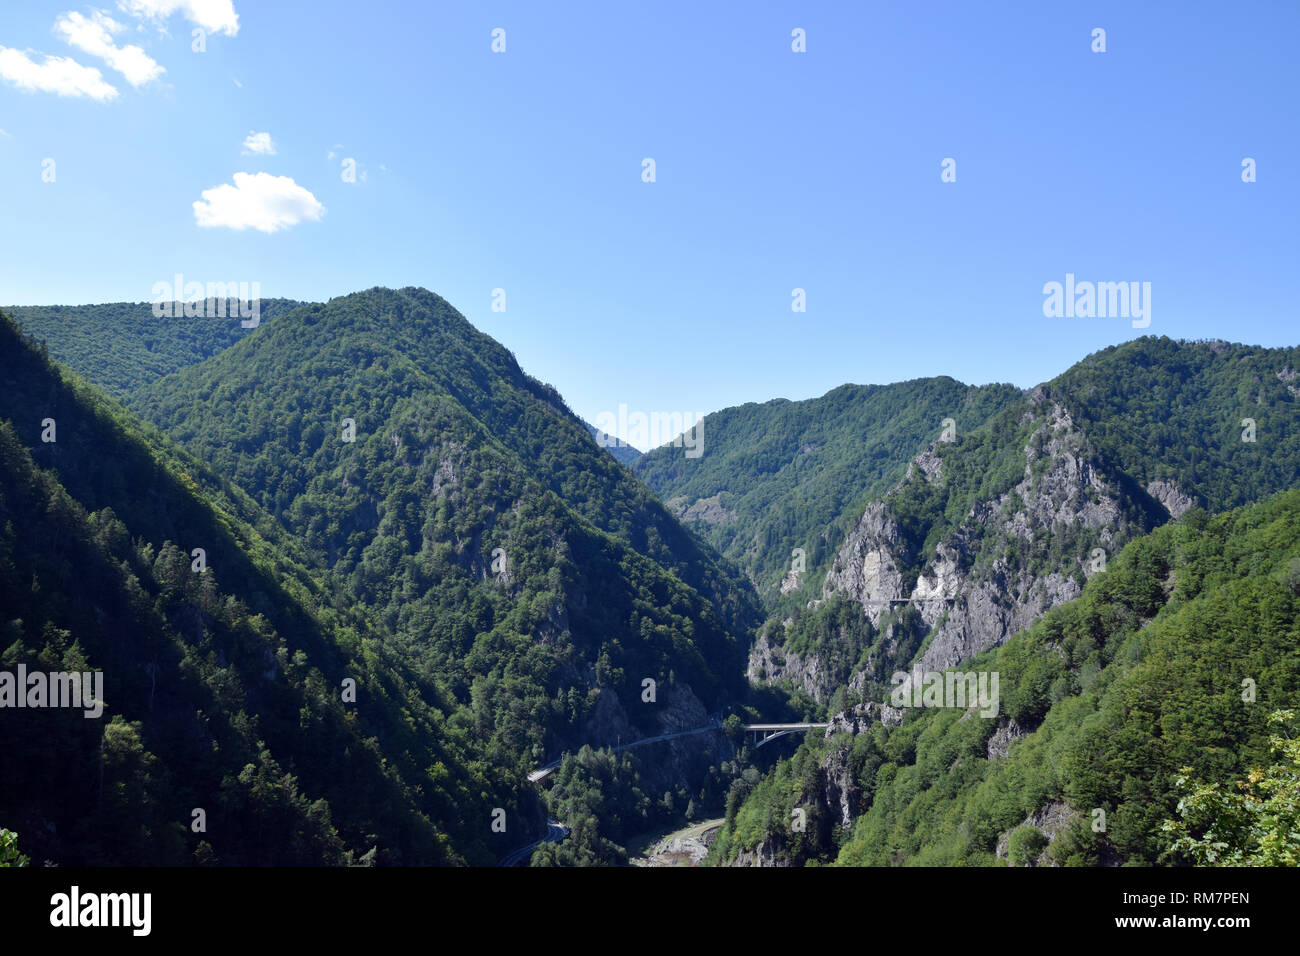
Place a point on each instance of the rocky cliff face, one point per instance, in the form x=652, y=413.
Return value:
x=771, y=852
x=1009, y=559
x=866, y=568
x=1170, y=496
x=771, y=664
x=837, y=788
x=978, y=588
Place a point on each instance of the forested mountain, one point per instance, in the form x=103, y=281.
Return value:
x=413, y=376
x=464, y=523
x=122, y=346
x=514, y=563
x=990, y=531
x=223, y=687
x=786, y=475
x=1208, y=423
x=1164, y=673
x=382, y=494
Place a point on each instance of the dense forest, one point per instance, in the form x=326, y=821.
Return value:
x=223, y=687
x=1167, y=669
x=382, y=495
x=469, y=528
x=1076, y=469
x=1221, y=421
x=122, y=346
x=786, y=475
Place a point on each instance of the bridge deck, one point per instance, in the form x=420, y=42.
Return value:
x=784, y=726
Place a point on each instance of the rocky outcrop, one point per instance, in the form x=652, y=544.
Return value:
x=929, y=464
x=769, y=664
x=1287, y=376
x=1049, y=820
x=861, y=717
x=866, y=568
x=999, y=745
x=837, y=788
x=1170, y=496
x=665, y=765
x=980, y=587
x=709, y=510
x=769, y=852
x=790, y=583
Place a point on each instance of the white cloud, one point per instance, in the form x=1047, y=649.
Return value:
x=94, y=35
x=259, y=144
x=57, y=74
x=215, y=16
x=263, y=202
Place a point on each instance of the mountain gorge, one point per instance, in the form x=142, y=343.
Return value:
x=537, y=593
x=382, y=495
x=1165, y=670
x=786, y=475
x=988, y=532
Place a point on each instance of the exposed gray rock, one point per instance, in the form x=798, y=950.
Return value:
x=929, y=464
x=861, y=717
x=865, y=567
x=770, y=852
x=769, y=664
x=999, y=745
x=973, y=594
x=837, y=788
x=1050, y=819
x=708, y=510
x=1171, y=496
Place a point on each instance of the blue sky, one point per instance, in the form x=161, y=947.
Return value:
x=775, y=170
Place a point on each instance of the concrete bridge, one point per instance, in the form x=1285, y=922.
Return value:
x=762, y=734
x=556, y=831
x=765, y=733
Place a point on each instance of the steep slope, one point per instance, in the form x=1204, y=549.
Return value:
x=620, y=449
x=1173, y=658
x=369, y=358
x=988, y=532
x=223, y=689
x=515, y=562
x=1207, y=423
x=123, y=346
x=786, y=475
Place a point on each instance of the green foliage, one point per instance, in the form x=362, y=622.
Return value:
x=123, y=346
x=1256, y=822
x=9, y=855
x=792, y=474
x=1113, y=694
x=371, y=560
x=221, y=688
x=1163, y=409
x=1025, y=845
